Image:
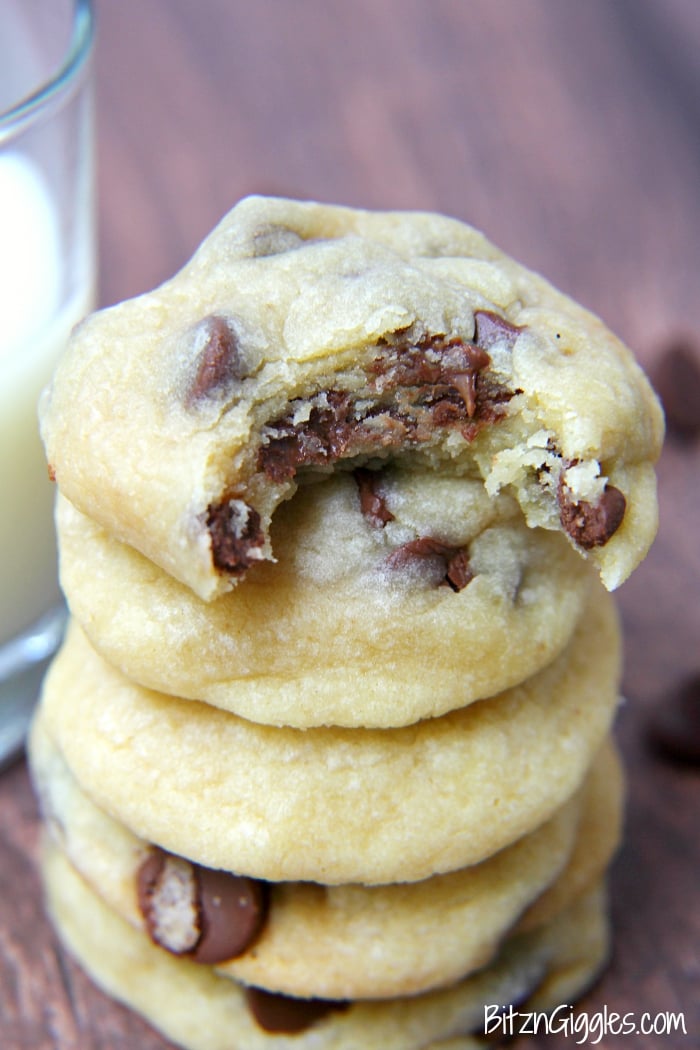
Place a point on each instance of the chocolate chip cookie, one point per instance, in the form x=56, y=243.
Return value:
x=331, y=804
x=305, y=339
x=203, y=1010
x=346, y=601
x=343, y=941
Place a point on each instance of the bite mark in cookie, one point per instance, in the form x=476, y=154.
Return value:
x=300, y=335
x=412, y=392
x=208, y=915
x=415, y=393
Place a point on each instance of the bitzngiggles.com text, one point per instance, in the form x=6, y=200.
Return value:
x=580, y=1026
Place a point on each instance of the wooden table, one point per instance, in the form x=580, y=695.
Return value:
x=569, y=131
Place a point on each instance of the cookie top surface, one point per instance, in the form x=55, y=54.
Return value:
x=330, y=804
x=346, y=601
x=354, y=941
x=304, y=337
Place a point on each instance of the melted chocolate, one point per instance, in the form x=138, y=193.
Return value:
x=219, y=362
x=491, y=328
x=372, y=503
x=415, y=389
x=236, y=536
x=454, y=560
x=233, y=910
x=591, y=524
x=282, y=1013
x=229, y=911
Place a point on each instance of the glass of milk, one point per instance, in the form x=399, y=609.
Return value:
x=47, y=284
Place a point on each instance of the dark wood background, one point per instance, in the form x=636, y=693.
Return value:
x=569, y=130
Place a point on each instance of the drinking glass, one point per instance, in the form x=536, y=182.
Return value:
x=47, y=284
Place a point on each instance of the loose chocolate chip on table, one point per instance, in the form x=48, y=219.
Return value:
x=677, y=381
x=674, y=725
x=591, y=524
x=209, y=916
x=282, y=1013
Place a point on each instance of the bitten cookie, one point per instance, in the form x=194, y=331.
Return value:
x=305, y=338
x=335, y=942
x=328, y=804
x=202, y=1010
x=346, y=601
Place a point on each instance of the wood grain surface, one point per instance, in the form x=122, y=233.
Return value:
x=569, y=131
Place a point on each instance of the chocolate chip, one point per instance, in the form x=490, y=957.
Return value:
x=491, y=328
x=218, y=362
x=415, y=389
x=591, y=524
x=207, y=915
x=459, y=572
x=674, y=727
x=321, y=439
x=454, y=562
x=233, y=910
x=282, y=1013
x=433, y=362
x=274, y=239
x=677, y=382
x=236, y=536
x=372, y=503
x=167, y=897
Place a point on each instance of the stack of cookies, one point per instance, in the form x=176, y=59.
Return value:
x=325, y=759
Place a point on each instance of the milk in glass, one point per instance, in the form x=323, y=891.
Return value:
x=34, y=328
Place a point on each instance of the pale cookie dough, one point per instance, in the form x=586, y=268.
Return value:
x=304, y=337
x=350, y=941
x=346, y=602
x=201, y=1010
x=336, y=805
x=573, y=974
x=599, y=836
